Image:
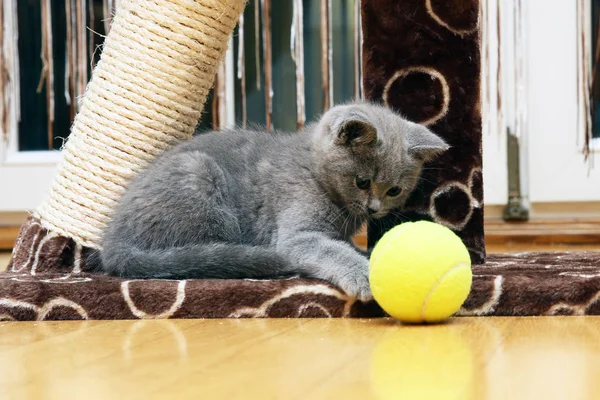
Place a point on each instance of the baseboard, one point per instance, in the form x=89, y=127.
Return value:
x=577, y=210
x=497, y=231
x=550, y=223
x=571, y=231
x=10, y=224
x=543, y=231
x=8, y=236
x=13, y=218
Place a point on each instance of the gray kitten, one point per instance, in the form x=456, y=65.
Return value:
x=246, y=204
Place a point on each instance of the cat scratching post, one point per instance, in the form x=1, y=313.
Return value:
x=421, y=56
x=146, y=93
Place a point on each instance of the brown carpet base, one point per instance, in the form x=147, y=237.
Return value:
x=46, y=280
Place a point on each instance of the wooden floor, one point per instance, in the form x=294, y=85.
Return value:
x=468, y=358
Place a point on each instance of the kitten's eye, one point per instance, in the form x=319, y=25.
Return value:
x=363, y=184
x=394, y=191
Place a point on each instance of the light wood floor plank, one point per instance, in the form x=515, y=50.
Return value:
x=546, y=358
x=14, y=335
x=469, y=358
x=129, y=358
x=279, y=359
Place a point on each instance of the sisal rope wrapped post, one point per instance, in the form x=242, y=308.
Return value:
x=146, y=94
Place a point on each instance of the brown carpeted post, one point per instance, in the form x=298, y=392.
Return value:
x=422, y=58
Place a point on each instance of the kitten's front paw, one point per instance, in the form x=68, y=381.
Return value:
x=356, y=284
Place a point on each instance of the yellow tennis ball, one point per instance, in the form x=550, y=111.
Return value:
x=420, y=272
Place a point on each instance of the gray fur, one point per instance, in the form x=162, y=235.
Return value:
x=245, y=204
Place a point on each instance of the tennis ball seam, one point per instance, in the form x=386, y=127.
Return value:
x=436, y=284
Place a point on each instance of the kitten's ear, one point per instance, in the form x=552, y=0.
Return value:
x=424, y=144
x=356, y=133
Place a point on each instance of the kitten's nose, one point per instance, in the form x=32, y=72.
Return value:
x=373, y=207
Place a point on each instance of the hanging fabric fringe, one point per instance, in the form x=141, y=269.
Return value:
x=587, y=78
x=68, y=52
x=358, y=51
x=107, y=8
x=92, y=34
x=499, y=87
x=10, y=90
x=221, y=96
x=266, y=17
x=3, y=83
x=215, y=104
x=47, y=74
x=71, y=57
x=326, y=53
x=330, y=50
x=79, y=50
x=257, y=42
x=492, y=109
x=219, y=99
x=297, y=49
x=520, y=70
x=241, y=69
x=82, y=55
x=485, y=65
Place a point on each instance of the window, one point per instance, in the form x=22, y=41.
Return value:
x=58, y=46
x=343, y=22
x=56, y=50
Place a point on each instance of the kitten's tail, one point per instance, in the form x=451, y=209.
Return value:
x=215, y=260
